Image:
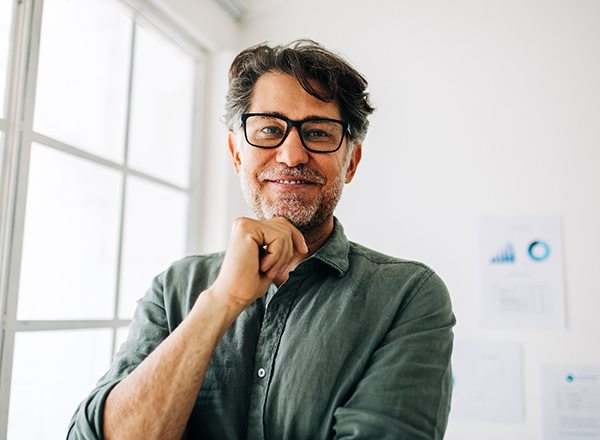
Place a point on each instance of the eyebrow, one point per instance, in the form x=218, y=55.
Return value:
x=281, y=115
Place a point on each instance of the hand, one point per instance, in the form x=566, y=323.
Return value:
x=258, y=252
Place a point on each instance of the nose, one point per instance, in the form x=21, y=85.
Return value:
x=292, y=151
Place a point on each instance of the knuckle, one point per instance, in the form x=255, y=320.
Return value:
x=241, y=223
x=281, y=220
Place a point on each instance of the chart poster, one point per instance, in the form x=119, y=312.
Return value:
x=571, y=402
x=487, y=383
x=522, y=277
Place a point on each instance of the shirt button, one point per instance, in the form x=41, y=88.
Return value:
x=261, y=372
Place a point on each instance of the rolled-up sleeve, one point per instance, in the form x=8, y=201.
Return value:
x=405, y=390
x=147, y=330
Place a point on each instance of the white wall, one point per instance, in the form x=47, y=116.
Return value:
x=483, y=107
x=204, y=19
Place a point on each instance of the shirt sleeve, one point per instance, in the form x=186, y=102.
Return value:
x=147, y=330
x=405, y=390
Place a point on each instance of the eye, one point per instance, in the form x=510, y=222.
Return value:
x=317, y=135
x=271, y=130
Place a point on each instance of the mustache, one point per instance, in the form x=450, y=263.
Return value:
x=300, y=172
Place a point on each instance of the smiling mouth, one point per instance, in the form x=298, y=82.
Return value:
x=288, y=177
x=292, y=182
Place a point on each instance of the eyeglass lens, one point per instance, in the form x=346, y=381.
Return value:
x=269, y=131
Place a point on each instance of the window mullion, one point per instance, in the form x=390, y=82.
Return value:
x=86, y=324
x=22, y=79
x=124, y=182
x=91, y=157
x=196, y=220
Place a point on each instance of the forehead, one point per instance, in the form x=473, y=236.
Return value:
x=281, y=93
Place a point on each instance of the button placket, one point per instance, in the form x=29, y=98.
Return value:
x=268, y=341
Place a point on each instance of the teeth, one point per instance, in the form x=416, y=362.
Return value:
x=290, y=182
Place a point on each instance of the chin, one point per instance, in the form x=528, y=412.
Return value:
x=304, y=213
x=302, y=217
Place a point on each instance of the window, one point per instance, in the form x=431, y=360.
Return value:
x=5, y=21
x=98, y=205
x=5, y=28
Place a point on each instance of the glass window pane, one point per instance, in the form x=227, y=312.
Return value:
x=68, y=270
x=162, y=109
x=52, y=364
x=154, y=237
x=81, y=92
x=5, y=20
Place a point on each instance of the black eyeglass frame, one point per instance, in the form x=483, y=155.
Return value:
x=298, y=124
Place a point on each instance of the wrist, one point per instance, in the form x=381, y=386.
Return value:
x=220, y=303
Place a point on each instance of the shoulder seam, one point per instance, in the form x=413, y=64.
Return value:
x=392, y=260
x=417, y=289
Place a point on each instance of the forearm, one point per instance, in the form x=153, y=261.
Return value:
x=156, y=399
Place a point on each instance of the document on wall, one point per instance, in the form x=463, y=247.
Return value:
x=487, y=384
x=571, y=402
x=522, y=272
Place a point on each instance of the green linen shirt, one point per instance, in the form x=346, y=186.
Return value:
x=354, y=345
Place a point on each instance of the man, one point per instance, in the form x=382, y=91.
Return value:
x=293, y=332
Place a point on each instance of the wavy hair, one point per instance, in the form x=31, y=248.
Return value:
x=306, y=61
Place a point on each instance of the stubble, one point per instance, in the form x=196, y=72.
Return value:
x=304, y=211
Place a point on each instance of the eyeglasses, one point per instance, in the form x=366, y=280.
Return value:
x=319, y=135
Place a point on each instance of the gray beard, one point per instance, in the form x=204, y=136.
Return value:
x=304, y=213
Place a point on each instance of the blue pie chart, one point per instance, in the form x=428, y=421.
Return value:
x=539, y=250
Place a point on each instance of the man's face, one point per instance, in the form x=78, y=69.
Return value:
x=290, y=181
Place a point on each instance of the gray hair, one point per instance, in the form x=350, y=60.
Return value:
x=305, y=60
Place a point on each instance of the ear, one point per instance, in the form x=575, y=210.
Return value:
x=234, y=151
x=354, y=161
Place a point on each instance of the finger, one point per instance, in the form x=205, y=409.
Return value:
x=294, y=262
x=286, y=255
x=275, y=248
x=283, y=242
x=298, y=248
x=299, y=242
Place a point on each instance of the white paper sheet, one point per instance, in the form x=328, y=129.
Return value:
x=571, y=402
x=522, y=272
x=487, y=381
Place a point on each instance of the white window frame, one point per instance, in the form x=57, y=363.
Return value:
x=19, y=136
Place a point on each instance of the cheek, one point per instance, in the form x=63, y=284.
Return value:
x=256, y=158
x=336, y=170
x=249, y=164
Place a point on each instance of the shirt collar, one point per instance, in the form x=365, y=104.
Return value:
x=334, y=252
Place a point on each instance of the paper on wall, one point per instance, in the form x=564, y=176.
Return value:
x=571, y=402
x=487, y=381
x=522, y=272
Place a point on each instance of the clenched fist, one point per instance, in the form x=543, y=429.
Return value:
x=259, y=251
